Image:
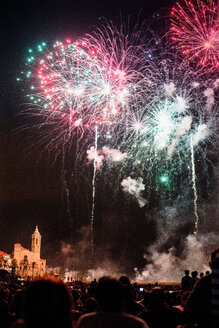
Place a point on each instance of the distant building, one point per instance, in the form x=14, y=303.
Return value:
x=28, y=263
x=66, y=274
x=72, y=275
x=5, y=261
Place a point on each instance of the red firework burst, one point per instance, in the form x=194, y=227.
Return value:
x=195, y=28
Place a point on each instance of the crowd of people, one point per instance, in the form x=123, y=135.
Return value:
x=111, y=302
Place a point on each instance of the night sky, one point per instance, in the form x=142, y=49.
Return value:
x=31, y=191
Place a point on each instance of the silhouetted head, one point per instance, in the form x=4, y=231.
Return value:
x=194, y=274
x=109, y=294
x=124, y=280
x=186, y=272
x=75, y=295
x=127, y=293
x=91, y=304
x=157, y=297
x=48, y=304
x=17, y=303
x=146, y=300
x=214, y=259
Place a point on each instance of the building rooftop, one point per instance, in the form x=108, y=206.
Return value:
x=4, y=254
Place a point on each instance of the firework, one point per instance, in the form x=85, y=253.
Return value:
x=195, y=29
x=179, y=105
x=71, y=85
x=76, y=86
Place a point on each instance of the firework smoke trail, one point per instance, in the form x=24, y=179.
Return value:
x=194, y=188
x=195, y=28
x=93, y=193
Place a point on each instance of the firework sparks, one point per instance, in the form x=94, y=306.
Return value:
x=176, y=105
x=72, y=85
x=195, y=28
x=194, y=189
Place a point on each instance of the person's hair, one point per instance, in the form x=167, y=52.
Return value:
x=127, y=293
x=186, y=272
x=91, y=304
x=75, y=295
x=194, y=274
x=48, y=304
x=215, y=257
x=157, y=297
x=109, y=294
x=124, y=280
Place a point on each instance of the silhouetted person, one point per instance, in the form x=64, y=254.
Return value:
x=94, y=283
x=124, y=280
x=93, y=286
x=146, y=300
x=159, y=315
x=194, y=278
x=109, y=295
x=186, y=282
x=201, y=274
x=4, y=307
x=48, y=305
x=17, y=304
x=130, y=304
x=90, y=305
x=76, y=300
x=17, y=308
x=202, y=304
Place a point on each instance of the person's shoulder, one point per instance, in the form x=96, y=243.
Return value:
x=204, y=280
x=134, y=321
x=203, y=285
x=86, y=319
x=124, y=319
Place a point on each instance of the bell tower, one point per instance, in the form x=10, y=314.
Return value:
x=36, y=242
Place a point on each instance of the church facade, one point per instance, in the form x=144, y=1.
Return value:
x=29, y=265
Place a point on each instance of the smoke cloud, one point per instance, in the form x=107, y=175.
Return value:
x=201, y=134
x=93, y=154
x=134, y=188
x=166, y=266
x=114, y=155
x=183, y=127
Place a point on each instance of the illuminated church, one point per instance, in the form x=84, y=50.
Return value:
x=28, y=262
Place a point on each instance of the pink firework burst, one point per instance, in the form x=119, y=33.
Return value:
x=72, y=85
x=195, y=28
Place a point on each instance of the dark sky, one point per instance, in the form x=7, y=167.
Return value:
x=31, y=188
